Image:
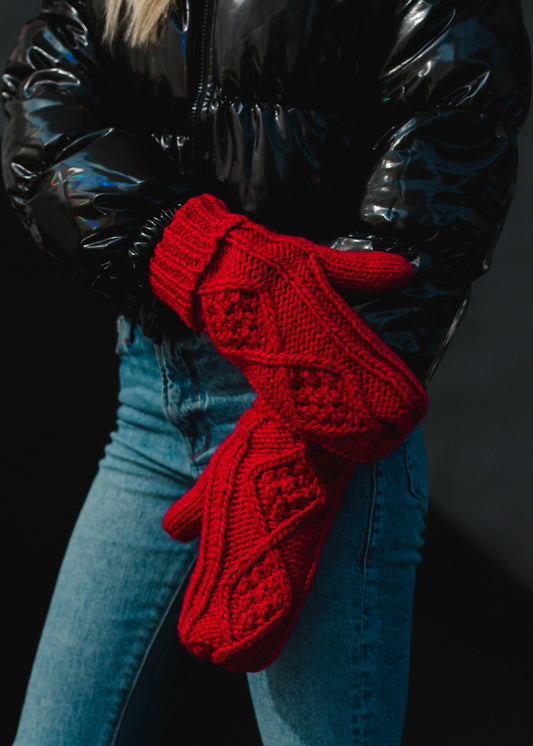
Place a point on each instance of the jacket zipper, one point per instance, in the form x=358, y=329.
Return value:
x=196, y=110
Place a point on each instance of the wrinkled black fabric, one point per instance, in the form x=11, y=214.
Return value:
x=375, y=125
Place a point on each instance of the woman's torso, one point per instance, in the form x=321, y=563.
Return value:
x=268, y=103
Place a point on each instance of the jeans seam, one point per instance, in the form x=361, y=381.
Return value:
x=162, y=351
x=363, y=653
x=127, y=701
x=163, y=371
x=415, y=487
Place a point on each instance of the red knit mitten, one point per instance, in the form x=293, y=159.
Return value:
x=265, y=302
x=265, y=503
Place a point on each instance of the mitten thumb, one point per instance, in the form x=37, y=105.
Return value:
x=183, y=520
x=364, y=271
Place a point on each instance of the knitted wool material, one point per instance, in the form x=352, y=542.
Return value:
x=268, y=306
x=265, y=504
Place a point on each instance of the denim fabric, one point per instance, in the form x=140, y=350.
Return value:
x=104, y=664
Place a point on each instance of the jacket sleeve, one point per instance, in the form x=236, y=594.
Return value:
x=83, y=184
x=450, y=99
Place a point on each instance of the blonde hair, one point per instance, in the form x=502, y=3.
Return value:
x=142, y=19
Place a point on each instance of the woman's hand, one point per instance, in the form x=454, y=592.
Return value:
x=268, y=305
x=264, y=505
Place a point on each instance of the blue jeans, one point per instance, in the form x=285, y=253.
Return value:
x=100, y=672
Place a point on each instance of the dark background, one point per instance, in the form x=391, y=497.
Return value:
x=472, y=657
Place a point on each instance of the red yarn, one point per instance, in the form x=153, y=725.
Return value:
x=330, y=392
x=265, y=503
x=266, y=303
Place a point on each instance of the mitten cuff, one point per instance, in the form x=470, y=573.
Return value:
x=197, y=231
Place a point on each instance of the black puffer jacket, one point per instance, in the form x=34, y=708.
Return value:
x=382, y=124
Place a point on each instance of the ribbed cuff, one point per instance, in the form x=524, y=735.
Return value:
x=197, y=231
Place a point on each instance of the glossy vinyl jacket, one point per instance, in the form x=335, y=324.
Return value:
x=384, y=124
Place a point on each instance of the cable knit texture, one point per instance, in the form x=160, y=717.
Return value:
x=268, y=306
x=330, y=392
x=265, y=503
